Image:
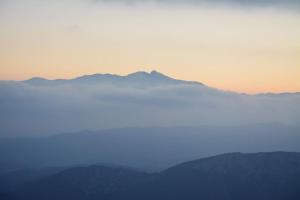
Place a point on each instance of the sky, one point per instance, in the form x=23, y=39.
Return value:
x=237, y=45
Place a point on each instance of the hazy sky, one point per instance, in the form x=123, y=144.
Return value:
x=248, y=46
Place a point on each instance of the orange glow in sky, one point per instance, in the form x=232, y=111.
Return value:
x=252, y=51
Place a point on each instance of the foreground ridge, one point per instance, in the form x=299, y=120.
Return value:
x=261, y=176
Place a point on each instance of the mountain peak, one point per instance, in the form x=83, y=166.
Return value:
x=140, y=78
x=138, y=73
x=158, y=74
x=152, y=74
x=36, y=80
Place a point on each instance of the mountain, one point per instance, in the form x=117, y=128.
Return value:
x=10, y=181
x=136, y=79
x=233, y=176
x=90, y=182
x=149, y=148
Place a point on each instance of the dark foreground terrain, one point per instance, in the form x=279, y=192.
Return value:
x=259, y=176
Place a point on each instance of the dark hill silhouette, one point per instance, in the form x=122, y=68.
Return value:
x=234, y=176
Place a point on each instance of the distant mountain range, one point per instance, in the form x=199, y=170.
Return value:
x=140, y=78
x=148, y=148
x=102, y=101
x=233, y=176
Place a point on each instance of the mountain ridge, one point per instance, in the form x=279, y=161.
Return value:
x=151, y=149
x=231, y=176
x=139, y=76
x=154, y=75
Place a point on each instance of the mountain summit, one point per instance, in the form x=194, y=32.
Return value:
x=140, y=78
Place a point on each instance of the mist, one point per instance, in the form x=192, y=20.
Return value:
x=48, y=107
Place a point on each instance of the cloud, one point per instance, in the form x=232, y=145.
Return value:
x=48, y=109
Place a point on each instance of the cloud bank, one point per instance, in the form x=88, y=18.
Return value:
x=28, y=108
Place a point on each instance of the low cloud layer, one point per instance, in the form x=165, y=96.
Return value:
x=28, y=108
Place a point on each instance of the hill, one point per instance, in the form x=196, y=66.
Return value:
x=233, y=176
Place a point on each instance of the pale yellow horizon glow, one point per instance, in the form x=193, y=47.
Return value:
x=251, y=51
